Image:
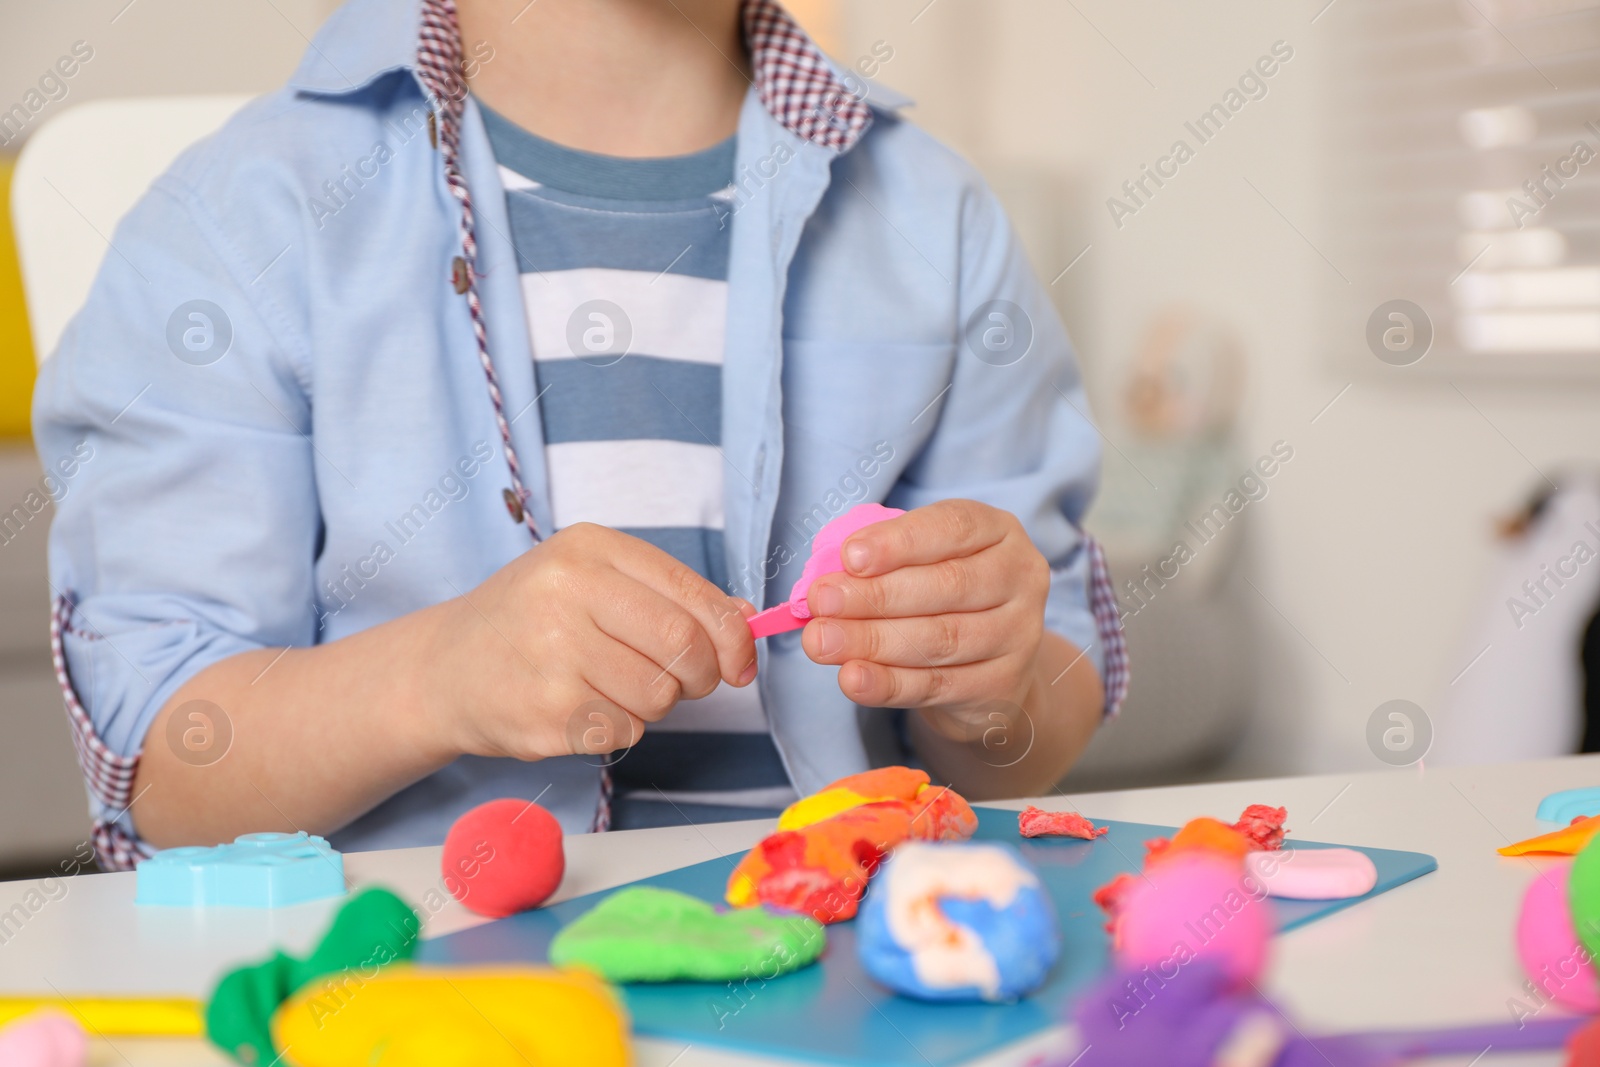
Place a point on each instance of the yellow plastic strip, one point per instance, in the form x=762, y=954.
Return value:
x=117, y=1016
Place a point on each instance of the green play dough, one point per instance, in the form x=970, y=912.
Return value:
x=372, y=930
x=646, y=934
x=1583, y=896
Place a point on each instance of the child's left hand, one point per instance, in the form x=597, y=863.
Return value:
x=942, y=607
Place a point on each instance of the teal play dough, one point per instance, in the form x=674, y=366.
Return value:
x=256, y=871
x=1569, y=804
x=645, y=934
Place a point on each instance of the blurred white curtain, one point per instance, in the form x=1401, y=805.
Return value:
x=1523, y=697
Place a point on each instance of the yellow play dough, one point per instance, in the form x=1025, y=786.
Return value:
x=820, y=806
x=408, y=1016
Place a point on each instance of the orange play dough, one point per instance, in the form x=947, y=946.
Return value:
x=1202, y=835
x=852, y=791
x=1567, y=841
x=818, y=864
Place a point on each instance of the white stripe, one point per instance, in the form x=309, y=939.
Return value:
x=778, y=796
x=635, y=483
x=726, y=711
x=673, y=316
x=512, y=180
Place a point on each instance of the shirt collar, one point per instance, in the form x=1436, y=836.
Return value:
x=797, y=84
x=359, y=43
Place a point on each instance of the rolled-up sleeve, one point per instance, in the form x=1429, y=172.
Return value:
x=187, y=531
x=1015, y=432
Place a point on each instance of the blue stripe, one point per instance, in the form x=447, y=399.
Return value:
x=699, y=762
x=553, y=236
x=642, y=813
x=697, y=547
x=635, y=398
x=613, y=177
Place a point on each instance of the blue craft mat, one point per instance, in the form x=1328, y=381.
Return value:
x=833, y=1013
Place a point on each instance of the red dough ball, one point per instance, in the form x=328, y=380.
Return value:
x=503, y=857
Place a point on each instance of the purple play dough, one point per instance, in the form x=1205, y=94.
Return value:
x=1144, y=1018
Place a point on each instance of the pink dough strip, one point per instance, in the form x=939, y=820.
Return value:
x=776, y=620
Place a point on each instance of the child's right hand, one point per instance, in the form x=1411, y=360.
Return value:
x=578, y=643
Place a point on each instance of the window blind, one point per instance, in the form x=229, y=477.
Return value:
x=1466, y=176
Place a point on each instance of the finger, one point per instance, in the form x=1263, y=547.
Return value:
x=632, y=681
x=598, y=725
x=876, y=685
x=719, y=615
x=658, y=629
x=923, y=641
x=943, y=530
x=966, y=583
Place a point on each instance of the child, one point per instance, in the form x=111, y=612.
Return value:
x=450, y=406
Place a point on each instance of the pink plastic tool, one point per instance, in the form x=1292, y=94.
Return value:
x=793, y=614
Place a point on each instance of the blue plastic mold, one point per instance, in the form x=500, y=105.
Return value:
x=833, y=1012
x=256, y=871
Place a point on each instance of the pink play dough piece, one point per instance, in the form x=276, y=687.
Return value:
x=1314, y=873
x=43, y=1039
x=1548, y=946
x=794, y=612
x=1192, y=905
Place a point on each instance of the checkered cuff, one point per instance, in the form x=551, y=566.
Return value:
x=1108, y=627
x=108, y=775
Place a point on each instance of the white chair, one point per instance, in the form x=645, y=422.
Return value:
x=77, y=176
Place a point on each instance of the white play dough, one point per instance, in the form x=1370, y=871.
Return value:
x=1313, y=873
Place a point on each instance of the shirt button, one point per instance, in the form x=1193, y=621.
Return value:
x=458, y=275
x=433, y=129
x=513, y=505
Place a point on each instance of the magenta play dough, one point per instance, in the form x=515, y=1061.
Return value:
x=826, y=550
x=1314, y=873
x=1190, y=906
x=825, y=558
x=1548, y=946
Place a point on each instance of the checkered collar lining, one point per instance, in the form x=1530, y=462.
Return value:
x=794, y=81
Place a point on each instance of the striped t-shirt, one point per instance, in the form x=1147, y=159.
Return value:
x=624, y=270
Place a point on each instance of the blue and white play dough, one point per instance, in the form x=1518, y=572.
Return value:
x=958, y=922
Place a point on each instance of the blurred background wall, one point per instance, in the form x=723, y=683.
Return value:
x=1219, y=318
x=1366, y=561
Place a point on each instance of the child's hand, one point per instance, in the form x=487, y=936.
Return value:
x=940, y=608
x=581, y=641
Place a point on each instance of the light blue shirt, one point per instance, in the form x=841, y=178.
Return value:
x=316, y=453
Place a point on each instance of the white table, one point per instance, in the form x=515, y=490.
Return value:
x=1433, y=952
